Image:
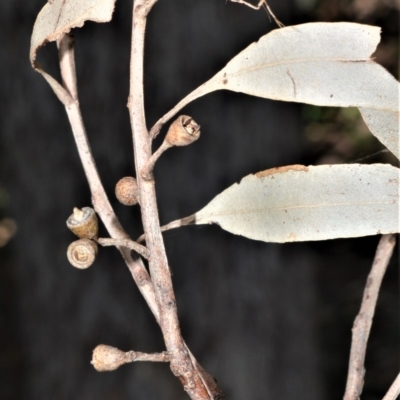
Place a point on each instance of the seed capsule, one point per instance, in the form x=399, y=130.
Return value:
x=126, y=191
x=107, y=358
x=183, y=131
x=82, y=253
x=83, y=223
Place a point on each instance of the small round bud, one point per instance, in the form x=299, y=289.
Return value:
x=107, y=358
x=183, y=131
x=127, y=191
x=83, y=223
x=82, y=253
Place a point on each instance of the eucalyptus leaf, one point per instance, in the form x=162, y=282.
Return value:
x=58, y=17
x=299, y=203
x=326, y=64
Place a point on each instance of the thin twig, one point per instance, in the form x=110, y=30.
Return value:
x=134, y=356
x=206, y=87
x=99, y=196
x=181, y=362
x=147, y=171
x=261, y=4
x=67, y=63
x=172, y=225
x=108, y=358
x=363, y=321
x=394, y=390
x=202, y=90
x=130, y=244
x=252, y=6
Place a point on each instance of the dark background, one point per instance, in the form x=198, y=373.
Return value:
x=269, y=321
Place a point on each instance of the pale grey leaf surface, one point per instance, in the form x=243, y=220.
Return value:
x=385, y=126
x=326, y=64
x=298, y=203
x=60, y=16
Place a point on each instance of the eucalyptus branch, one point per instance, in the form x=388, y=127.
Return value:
x=394, y=390
x=108, y=358
x=244, y=208
x=130, y=244
x=261, y=4
x=134, y=356
x=199, y=92
x=205, y=88
x=99, y=196
x=179, y=223
x=363, y=321
x=147, y=171
x=67, y=65
x=182, y=132
x=181, y=362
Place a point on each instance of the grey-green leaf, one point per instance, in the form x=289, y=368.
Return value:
x=298, y=203
x=58, y=17
x=326, y=64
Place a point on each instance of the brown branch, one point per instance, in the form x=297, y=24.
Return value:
x=394, y=390
x=181, y=362
x=134, y=356
x=172, y=225
x=252, y=6
x=206, y=87
x=67, y=65
x=99, y=197
x=147, y=171
x=130, y=244
x=108, y=358
x=363, y=321
x=261, y=4
x=202, y=90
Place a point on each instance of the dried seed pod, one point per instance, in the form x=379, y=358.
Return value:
x=82, y=253
x=126, y=191
x=83, y=223
x=183, y=131
x=107, y=358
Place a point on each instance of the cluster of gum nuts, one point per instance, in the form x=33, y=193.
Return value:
x=84, y=223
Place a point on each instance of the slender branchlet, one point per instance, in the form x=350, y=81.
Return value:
x=363, y=322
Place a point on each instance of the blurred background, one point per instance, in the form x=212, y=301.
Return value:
x=268, y=321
